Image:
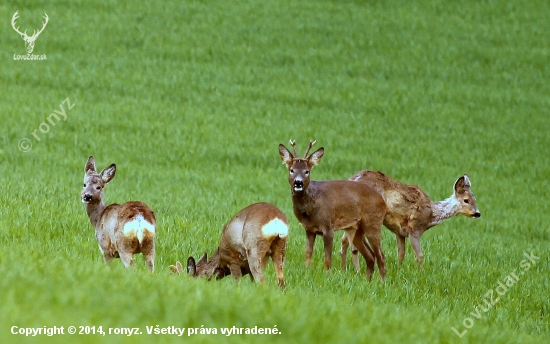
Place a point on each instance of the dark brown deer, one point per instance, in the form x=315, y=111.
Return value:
x=255, y=234
x=411, y=212
x=324, y=207
x=121, y=230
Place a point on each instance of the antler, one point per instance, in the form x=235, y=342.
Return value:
x=293, y=144
x=43, y=26
x=13, y=20
x=309, y=147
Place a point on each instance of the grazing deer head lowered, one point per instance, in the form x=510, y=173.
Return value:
x=29, y=40
x=255, y=234
x=324, y=207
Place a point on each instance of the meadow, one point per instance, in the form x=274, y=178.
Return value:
x=192, y=98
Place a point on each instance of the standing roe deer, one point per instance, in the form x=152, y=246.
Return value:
x=324, y=207
x=121, y=230
x=411, y=212
x=256, y=233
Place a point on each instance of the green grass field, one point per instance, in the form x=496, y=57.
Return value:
x=191, y=98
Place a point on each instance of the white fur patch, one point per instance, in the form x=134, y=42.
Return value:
x=275, y=227
x=137, y=226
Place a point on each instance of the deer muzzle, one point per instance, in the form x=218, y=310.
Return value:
x=298, y=185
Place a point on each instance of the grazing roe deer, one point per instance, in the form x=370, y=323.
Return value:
x=121, y=230
x=324, y=207
x=256, y=233
x=411, y=212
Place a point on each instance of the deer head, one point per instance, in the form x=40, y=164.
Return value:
x=94, y=183
x=465, y=197
x=299, y=168
x=205, y=268
x=29, y=40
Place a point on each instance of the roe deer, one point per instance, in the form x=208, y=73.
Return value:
x=121, y=230
x=324, y=207
x=256, y=233
x=411, y=212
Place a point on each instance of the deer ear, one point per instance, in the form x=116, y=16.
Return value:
x=90, y=165
x=286, y=156
x=203, y=259
x=108, y=173
x=191, y=267
x=316, y=156
x=462, y=184
x=177, y=269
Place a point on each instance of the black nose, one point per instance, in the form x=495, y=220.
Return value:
x=87, y=198
x=298, y=184
x=477, y=214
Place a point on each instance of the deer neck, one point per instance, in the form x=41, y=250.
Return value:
x=304, y=201
x=94, y=211
x=443, y=210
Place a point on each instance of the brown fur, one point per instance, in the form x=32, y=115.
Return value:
x=324, y=207
x=411, y=212
x=244, y=248
x=109, y=221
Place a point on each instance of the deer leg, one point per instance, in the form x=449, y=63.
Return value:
x=255, y=263
x=127, y=259
x=310, y=241
x=355, y=255
x=148, y=249
x=400, y=248
x=344, y=250
x=373, y=235
x=347, y=239
x=415, y=243
x=107, y=259
x=278, y=256
x=235, y=269
x=366, y=252
x=328, y=239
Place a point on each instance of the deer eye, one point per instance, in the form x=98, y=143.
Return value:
x=84, y=184
x=98, y=187
x=466, y=201
x=307, y=173
x=291, y=171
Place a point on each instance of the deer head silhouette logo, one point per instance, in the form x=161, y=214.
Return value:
x=29, y=40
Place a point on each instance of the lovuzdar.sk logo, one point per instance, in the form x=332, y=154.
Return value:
x=29, y=40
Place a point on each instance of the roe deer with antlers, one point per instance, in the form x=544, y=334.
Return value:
x=121, y=230
x=324, y=207
x=411, y=212
x=255, y=234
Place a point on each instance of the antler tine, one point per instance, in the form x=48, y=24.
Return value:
x=311, y=143
x=43, y=25
x=13, y=20
x=293, y=144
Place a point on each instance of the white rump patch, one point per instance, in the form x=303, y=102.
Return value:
x=275, y=227
x=137, y=227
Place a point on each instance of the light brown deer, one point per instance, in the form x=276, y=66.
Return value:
x=324, y=207
x=121, y=230
x=411, y=212
x=255, y=234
